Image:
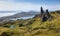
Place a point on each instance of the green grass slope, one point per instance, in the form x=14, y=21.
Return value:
x=32, y=27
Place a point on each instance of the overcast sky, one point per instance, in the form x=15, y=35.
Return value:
x=27, y=5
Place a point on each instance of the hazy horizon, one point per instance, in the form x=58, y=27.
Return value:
x=27, y=5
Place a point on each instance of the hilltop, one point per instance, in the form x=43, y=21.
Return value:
x=17, y=15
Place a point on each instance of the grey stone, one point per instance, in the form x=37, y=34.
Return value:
x=44, y=15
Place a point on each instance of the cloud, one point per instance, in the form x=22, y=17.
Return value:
x=6, y=14
x=9, y=5
x=18, y=6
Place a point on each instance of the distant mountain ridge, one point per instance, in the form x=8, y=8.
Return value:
x=18, y=15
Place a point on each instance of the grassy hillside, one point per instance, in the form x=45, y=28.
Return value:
x=32, y=27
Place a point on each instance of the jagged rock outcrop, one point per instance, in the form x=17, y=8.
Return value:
x=44, y=15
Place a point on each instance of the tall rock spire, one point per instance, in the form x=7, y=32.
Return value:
x=42, y=11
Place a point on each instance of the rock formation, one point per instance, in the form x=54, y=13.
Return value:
x=44, y=15
x=42, y=12
x=47, y=14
